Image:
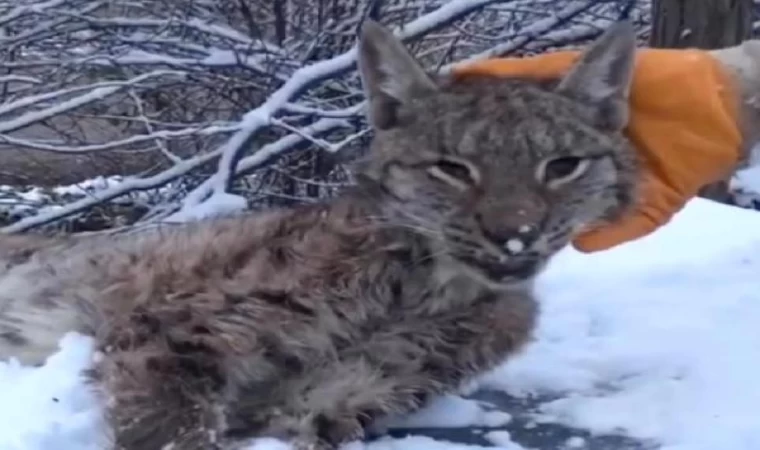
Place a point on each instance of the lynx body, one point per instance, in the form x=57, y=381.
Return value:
x=311, y=323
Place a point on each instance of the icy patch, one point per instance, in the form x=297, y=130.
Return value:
x=424, y=443
x=439, y=414
x=408, y=443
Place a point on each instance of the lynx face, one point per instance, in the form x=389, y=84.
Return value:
x=499, y=173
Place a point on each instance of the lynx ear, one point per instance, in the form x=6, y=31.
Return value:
x=389, y=74
x=602, y=76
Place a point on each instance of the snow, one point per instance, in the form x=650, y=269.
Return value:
x=575, y=442
x=15, y=200
x=97, y=183
x=438, y=415
x=416, y=443
x=48, y=407
x=218, y=204
x=745, y=185
x=515, y=246
x=658, y=340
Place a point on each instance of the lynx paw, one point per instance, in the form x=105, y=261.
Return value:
x=316, y=433
x=339, y=430
x=310, y=444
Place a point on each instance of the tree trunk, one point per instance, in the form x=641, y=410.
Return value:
x=707, y=24
x=704, y=24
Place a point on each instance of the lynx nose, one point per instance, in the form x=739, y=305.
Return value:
x=513, y=239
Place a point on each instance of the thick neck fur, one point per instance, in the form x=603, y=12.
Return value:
x=348, y=237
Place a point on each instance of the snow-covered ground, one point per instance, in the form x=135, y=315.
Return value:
x=658, y=340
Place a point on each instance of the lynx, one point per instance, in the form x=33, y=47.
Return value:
x=312, y=323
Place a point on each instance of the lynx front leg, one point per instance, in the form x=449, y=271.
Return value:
x=408, y=361
x=393, y=371
x=332, y=404
x=488, y=334
x=153, y=402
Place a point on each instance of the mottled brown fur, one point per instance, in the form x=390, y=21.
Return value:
x=313, y=322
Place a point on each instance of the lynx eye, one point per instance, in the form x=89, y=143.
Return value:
x=454, y=172
x=561, y=170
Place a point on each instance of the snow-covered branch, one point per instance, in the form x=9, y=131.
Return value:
x=130, y=185
x=215, y=106
x=534, y=31
x=304, y=78
x=97, y=92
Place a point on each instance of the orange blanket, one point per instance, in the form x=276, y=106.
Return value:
x=684, y=125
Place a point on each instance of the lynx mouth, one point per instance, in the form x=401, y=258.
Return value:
x=501, y=272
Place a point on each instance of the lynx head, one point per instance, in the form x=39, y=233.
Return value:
x=499, y=173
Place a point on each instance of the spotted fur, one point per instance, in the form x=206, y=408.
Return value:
x=312, y=323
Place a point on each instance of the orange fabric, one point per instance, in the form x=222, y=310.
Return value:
x=683, y=124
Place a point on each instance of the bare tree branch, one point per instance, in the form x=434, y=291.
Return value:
x=197, y=107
